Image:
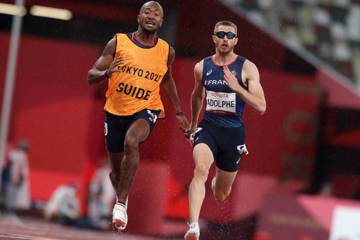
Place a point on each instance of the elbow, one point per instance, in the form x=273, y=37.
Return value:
x=261, y=109
x=196, y=96
x=89, y=78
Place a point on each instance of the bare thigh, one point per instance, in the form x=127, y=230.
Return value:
x=203, y=156
x=138, y=131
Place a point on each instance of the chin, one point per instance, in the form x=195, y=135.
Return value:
x=224, y=51
x=151, y=30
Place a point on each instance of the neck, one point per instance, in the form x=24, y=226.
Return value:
x=223, y=59
x=145, y=37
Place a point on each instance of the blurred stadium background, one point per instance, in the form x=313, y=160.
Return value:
x=301, y=180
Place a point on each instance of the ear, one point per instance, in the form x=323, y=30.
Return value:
x=213, y=38
x=161, y=23
x=236, y=41
x=138, y=18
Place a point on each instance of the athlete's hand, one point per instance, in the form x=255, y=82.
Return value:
x=190, y=133
x=183, y=122
x=114, y=66
x=231, y=79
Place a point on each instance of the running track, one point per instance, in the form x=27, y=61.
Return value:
x=26, y=228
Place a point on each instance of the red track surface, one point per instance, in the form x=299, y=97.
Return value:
x=24, y=228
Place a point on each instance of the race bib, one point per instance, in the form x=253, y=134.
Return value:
x=219, y=101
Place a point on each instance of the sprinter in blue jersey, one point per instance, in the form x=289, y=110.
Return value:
x=229, y=82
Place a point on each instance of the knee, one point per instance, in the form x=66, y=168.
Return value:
x=221, y=195
x=131, y=144
x=201, y=172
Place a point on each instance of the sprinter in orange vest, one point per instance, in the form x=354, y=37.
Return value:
x=136, y=65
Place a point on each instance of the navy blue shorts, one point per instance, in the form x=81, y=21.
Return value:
x=226, y=144
x=115, y=127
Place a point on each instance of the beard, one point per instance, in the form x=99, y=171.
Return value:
x=225, y=51
x=148, y=31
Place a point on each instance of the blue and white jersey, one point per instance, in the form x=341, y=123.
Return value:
x=223, y=106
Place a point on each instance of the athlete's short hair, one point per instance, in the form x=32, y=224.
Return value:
x=225, y=23
x=153, y=3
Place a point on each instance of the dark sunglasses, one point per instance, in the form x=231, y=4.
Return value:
x=222, y=34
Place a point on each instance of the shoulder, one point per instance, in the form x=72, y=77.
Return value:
x=110, y=47
x=161, y=40
x=119, y=37
x=198, y=68
x=199, y=65
x=171, y=51
x=250, y=70
x=164, y=44
x=249, y=65
x=205, y=63
x=112, y=41
x=122, y=38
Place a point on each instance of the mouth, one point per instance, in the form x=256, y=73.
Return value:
x=149, y=23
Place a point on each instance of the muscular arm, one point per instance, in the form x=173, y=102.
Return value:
x=168, y=84
x=169, y=87
x=196, y=95
x=99, y=71
x=255, y=94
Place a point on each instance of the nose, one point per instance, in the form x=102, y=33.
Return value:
x=150, y=16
